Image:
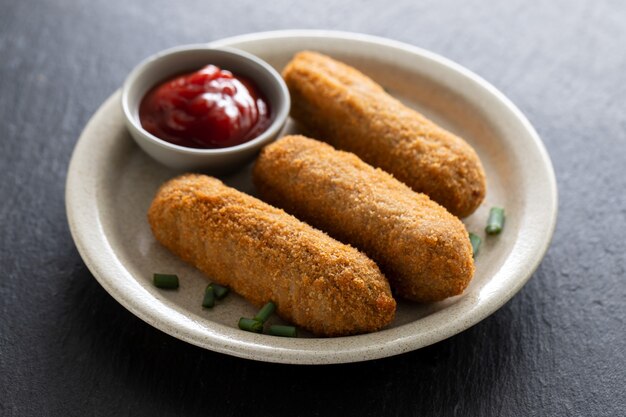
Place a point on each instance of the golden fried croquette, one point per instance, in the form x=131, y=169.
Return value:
x=265, y=254
x=338, y=104
x=423, y=250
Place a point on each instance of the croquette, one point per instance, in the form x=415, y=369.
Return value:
x=421, y=248
x=264, y=254
x=339, y=105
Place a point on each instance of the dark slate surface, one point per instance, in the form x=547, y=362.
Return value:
x=558, y=348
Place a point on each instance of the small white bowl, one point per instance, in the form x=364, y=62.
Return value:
x=166, y=64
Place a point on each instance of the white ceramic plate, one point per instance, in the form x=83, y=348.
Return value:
x=111, y=182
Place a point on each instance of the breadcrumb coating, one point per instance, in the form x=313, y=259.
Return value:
x=423, y=250
x=264, y=254
x=340, y=105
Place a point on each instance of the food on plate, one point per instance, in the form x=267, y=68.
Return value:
x=345, y=108
x=476, y=241
x=213, y=292
x=209, y=108
x=423, y=250
x=256, y=323
x=250, y=325
x=166, y=281
x=219, y=290
x=283, y=331
x=265, y=312
x=264, y=254
x=495, y=221
x=209, y=297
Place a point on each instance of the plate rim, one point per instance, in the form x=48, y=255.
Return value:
x=250, y=346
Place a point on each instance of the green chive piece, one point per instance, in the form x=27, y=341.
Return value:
x=475, y=241
x=220, y=291
x=209, y=297
x=169, y=281
x=495, y=222
x=250, y=325
x=284, y=331
x=265, y=312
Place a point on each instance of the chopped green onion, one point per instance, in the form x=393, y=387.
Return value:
x=495, y=223
x=284, y=331
x=220, y=291
x=209, y=297
x=265, y=312
x=250, y=325
x=169, y=281
x=475, y=241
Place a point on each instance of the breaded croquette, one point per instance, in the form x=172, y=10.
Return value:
x=264, y=254
x=422, y=249
x=340, y=105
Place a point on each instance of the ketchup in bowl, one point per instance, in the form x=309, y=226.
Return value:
x=209, y=108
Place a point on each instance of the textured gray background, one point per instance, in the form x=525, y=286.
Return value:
x=558, y=348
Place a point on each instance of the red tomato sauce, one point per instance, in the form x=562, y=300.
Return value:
x=209, y=108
